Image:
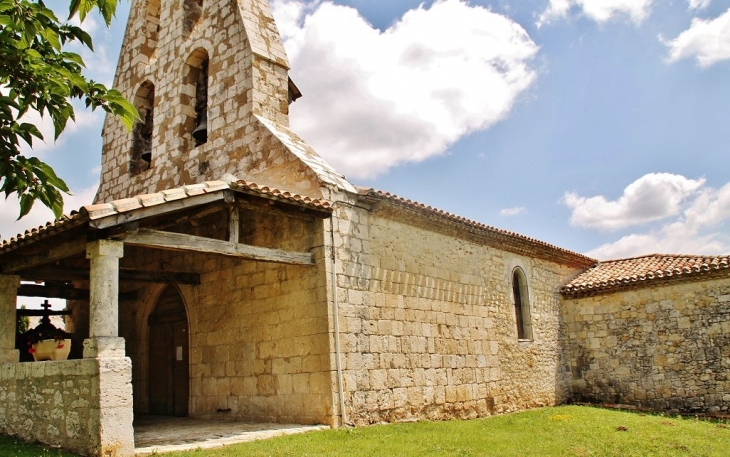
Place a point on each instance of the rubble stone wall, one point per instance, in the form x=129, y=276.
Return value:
x=428, y=325
x=661, y=347
x=61, y=404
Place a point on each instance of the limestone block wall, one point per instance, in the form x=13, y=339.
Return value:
x=258, y=331
x=247, y=100
x=428, y=325
x=662, y=347
x=62, y=404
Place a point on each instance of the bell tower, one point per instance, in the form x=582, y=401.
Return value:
x=210, y=81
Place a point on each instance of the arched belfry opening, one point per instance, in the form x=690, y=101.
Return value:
x=169, y=366
x=195, y=124
x=141, y=153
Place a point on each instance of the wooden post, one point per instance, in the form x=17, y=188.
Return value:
x=8, y=297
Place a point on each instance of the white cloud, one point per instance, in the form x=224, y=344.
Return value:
x=39, y=215
x=376, y=99
x=698, y=4
x=652, y=197
x=86, y=121
x=696, y=216
x=597, y=10
x=708, y=41
x=516, y=211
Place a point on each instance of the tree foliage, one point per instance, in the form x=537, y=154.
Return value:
x=37, y=74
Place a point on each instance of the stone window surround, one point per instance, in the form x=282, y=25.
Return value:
x=517, y=266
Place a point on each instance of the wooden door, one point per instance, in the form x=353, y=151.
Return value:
x=169, y=373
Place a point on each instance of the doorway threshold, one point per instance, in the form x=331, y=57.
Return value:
x=158, y=434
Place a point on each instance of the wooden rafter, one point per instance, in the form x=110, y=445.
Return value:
x=125, y=274
x=65, y=292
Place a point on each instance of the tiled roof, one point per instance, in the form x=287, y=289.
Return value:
x=645, y=270
x=504, y=239
x=276, y=194
x=99, y=211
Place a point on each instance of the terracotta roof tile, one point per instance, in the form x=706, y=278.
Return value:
x=644, y=270
x=507, y=240
x=276, y=194
x=102, y=210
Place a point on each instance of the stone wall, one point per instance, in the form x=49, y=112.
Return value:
x=66, y=404
x=661, y=347
x=428, y=324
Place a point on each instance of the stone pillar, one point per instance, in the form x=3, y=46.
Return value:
x=8, y=298
x=103, y=338
x=111, y=431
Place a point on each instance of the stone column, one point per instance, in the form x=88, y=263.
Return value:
x=104, y=338
x=8, y=298
x=111, y=410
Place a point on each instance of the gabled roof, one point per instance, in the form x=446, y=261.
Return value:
x=502, y=239
x=93, y=214
x=644, y=271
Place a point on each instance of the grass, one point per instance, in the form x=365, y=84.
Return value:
x=560, y=431
x=13, y=447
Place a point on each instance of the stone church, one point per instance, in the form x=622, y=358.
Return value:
x=225, y=271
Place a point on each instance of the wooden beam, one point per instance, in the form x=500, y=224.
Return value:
x=182, y=242
x=157, y=210
x=234, y=215
x=125, y=274
x=66, y=292
x=50, y=255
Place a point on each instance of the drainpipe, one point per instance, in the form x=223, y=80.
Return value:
x=336, y=313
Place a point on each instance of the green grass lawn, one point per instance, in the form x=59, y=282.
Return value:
x=560, y=431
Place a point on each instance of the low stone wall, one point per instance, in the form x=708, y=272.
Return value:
x=60, y=404
x=665, y=347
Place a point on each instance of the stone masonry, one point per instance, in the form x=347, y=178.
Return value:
x=662, y=347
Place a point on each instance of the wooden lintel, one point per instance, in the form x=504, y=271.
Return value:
x=52, y=254
x=157, y=210
x=65, y=292
x=125, y=274
x=182, y=242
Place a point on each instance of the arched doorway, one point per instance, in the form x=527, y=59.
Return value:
x=169, y=372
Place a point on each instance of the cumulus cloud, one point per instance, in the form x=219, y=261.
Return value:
x=86, y=120
x=652, y=197
x=39, y=215
x=597, y=10
x=698, y=4
x=708, y=41
x=694, y=216
x=510, y=212
x=374, y=99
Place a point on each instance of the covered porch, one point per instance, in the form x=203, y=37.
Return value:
x=207, y=301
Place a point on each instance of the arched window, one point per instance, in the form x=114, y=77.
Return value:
x=193, y=10
x=521, y=296
x=195, y=126
x=152, y=27
x=141, y=155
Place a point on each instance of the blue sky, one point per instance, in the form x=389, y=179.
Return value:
x=600, y=126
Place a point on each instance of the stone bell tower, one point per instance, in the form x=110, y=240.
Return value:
x=210, y=80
